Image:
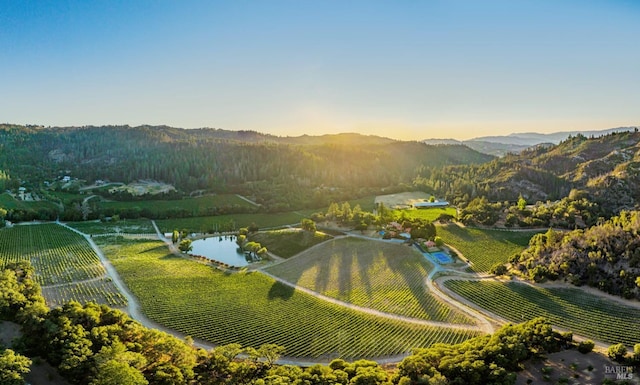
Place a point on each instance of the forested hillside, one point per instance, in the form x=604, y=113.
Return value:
x=277, y=171
x=605, y=256
x=606, y=170
x=285, y=173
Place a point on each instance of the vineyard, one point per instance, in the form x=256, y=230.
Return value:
x=57, y=254
x=484, y=247
x=66, y=266
x=380, y=275
x=573, y=309
x=99, y=290
x=253, y=309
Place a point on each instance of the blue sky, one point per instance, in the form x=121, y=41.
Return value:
x=401, y=69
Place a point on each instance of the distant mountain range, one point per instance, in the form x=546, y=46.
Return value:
x=514, y=143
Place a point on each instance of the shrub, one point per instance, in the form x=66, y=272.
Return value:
x=617, y=352
x=498, y=269
x=586, y=346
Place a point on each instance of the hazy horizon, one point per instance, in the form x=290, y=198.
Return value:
x=403, y=70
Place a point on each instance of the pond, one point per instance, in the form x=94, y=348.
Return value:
x=222, y=249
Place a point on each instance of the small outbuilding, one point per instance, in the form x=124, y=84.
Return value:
x=427, y=205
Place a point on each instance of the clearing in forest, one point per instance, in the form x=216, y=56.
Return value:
x=384, y=276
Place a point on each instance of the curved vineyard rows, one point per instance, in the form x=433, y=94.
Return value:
x=573, y=309
x=101, y=291
x=67, y=268
x=383, y=276
x=57, y=254
x=253, y=309
x=485, y=247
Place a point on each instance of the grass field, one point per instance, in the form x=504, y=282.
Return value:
x=66, y=266
x=253, y=309
x=192, y=206
x=221, y=222
x=288, y=242
x=127, y=226
x=430, y=214
x=65, y=197
x=366, y=203
x=380, y=275
x=573, y=309
x=10, y=203
x=484, y=247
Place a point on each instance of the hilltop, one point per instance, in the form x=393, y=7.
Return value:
x=502, y=145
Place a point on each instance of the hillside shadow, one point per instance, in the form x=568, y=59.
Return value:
x=363, y=270
x=406, y=269
x=461, y=232
x=323, y=272
x=344, y=270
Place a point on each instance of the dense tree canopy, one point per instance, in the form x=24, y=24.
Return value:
x=606, y=256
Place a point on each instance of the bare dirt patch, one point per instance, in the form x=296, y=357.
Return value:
x=402, y=200
x=570, y=367
x=8, y=332
x=41, y=372
x=145, y=187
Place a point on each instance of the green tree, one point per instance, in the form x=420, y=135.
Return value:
x=522, y=203
x=617, y=352
x=185, y=245
x=498, y=269
x=13, y=367
x=586, y=346
x=308, y=225
x=114, y=372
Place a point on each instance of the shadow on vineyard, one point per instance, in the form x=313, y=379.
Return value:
x=280, y=291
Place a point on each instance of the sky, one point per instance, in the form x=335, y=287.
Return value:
x=402, y=69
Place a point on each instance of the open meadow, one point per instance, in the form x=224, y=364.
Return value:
x=286, y=243
x=8, y=202
x=484, y=247
x=231, y=222
x=125, y=226
x=427, y=214
x=191, y=207
x=384, y=276
x=583, y=313
x=253, y=309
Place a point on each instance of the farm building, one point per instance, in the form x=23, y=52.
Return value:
x=427, y=205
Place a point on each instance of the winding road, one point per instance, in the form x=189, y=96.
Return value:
x=483, y=324
x=133, y=306
x=485, y=321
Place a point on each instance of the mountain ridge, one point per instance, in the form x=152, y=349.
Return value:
x=500, y=145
